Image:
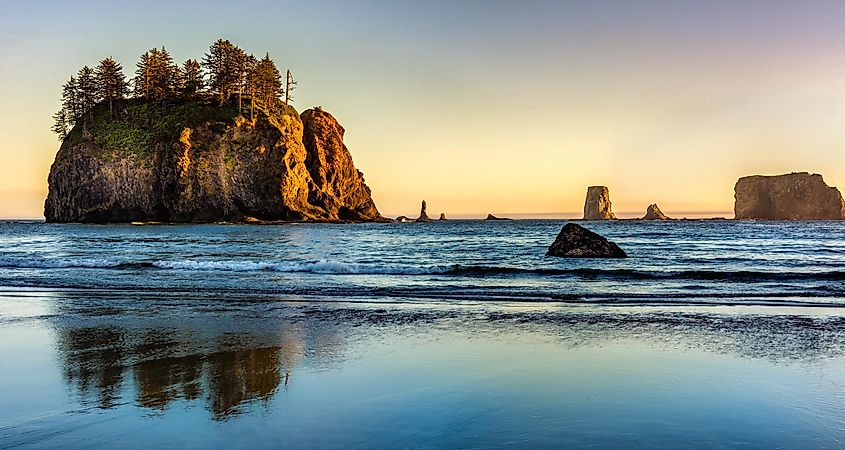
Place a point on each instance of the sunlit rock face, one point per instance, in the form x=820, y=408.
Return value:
x=794, y=196
x=597, y=206
x=202, y=163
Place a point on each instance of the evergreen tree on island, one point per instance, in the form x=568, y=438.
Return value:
x=111, y=83
x=225, y=70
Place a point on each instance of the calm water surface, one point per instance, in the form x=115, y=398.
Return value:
x=457, y=334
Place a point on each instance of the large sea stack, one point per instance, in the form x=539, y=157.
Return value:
x=597, y=206
x=653, y=212
x=197, y=161
x=794, y=196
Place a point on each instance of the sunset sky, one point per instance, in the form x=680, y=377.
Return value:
x=510, y=107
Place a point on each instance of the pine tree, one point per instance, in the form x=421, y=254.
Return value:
x=156, y=76
x=225, y=64
x=265, y=82
x=70, y=101
x=192, y=83
x=87, y=90
x=61, y=124
x=111, y=83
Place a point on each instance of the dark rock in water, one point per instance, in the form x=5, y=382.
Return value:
x=442, y=216
x=794, y=196
x=575, y=241
x=492, y=217
x=202, y=162
x=654, y=213
x=423, y=215
x=597, y=205
x=404, y=219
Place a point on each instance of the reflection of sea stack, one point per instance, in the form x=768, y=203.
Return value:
x=794, y=196
x=423, y=216
x=442, y=216
x=654, y=213
x=598, y=206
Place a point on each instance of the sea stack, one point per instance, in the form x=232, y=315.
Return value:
x=442, y=216
x=654, y=213
x=198, y=161
x=575, y=241
x=492, y=217
x=423, y=215
x=597, y=206
x=794, y=196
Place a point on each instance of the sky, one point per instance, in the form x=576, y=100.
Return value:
x=504, y=107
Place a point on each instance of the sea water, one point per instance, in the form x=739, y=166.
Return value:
x=422, y=335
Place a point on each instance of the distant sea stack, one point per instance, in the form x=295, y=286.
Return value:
x=423, y=214
x=492, y=217
x=442, y=216
x=597, y=206
x=199, y=161
x=794, y=196
x=654, y=213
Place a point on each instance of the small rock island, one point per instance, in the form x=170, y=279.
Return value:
x=575, y=241
x=794, y=196
x=211, y=142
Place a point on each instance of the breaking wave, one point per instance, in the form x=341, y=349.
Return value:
x=344, y=268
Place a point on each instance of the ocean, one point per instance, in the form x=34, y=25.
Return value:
x=445, y=334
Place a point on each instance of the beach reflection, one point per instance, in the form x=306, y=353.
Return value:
x=105, y=365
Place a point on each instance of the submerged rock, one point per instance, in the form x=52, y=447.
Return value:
x=575, y=241
x=654, y=213
x=423, y=214
x=597, y=205
x=442, y=216
x=794, y=196
x=203, y=162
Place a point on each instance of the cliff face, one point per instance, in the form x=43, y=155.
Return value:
x=597, y=206
x=794, y=196
x=203, y=163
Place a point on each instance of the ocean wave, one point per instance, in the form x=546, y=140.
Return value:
x=329, y=267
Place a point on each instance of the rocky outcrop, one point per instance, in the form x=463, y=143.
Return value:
x=654, y=213
x=794, y=196
x=194, y=163
x=492, y=217
x=404, y=219
x=423, y=214
x=575, y=241
x=597, y=206
x=442, y=216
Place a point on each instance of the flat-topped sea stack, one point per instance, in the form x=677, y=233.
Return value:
x=199, y=161
x=575, y=241
x=794, y=196
x=597, y=206
x=654, y=213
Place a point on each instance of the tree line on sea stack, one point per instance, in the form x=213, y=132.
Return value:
x=224, y=71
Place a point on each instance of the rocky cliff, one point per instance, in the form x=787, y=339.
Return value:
x=201, y=162
x=597, y=206
x=794, y=196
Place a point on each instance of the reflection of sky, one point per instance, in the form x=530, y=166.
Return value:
x=503, y=107
x=311, y=375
